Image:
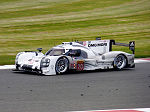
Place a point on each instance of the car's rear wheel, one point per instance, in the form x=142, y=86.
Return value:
x=120, y=62
x=62, y=65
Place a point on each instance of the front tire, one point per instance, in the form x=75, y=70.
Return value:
x=62, y=65
x=120, y=62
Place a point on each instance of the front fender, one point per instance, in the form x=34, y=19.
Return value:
x=110, y=56
x=50, y=70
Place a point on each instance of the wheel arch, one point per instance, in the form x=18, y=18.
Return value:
x=111, y=55
x=63, y=56
x=67, y=57
x=125, y=57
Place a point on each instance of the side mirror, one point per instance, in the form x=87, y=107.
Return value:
x=39, y=49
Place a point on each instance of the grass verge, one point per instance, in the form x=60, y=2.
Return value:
x=27, y=25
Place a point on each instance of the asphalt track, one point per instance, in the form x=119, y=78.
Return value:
x=24, y=92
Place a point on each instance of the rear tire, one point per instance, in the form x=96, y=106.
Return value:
x=62, y=65
x=120, y=62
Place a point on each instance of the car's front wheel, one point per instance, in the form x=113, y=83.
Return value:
x=120, y=62
x=62, y=65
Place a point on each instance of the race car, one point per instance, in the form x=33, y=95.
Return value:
x=78, y=56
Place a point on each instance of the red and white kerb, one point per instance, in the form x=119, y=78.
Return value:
x=119, y=110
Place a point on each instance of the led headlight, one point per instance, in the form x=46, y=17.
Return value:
x=45, y=62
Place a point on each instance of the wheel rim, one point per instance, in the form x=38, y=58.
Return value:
x=61, y=65
x=120, y=61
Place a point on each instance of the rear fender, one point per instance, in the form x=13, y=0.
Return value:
x=110, y=56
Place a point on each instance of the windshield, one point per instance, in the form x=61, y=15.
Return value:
x=55, y=52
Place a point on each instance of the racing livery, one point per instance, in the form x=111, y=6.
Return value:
x=78, y=56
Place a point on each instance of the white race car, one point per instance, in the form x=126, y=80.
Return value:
x=78, y=56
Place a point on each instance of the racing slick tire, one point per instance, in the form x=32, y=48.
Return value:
x=120, y=62
x=62, y=65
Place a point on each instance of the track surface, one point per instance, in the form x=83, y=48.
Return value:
x=24, y=92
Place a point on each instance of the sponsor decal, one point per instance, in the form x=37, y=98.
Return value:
x=96, y=45
x=31, y=61
x=84, y=43
x=80, y=65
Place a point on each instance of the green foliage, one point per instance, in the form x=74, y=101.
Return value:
x=27, y=25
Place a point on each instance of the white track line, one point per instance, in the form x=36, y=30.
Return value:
x=7, y=67
x=146, y=60
x=118, y=110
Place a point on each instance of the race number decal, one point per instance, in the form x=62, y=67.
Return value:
x=80, y=65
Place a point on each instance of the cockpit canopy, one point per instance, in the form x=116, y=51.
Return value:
x=71, y=52
x=55, y=52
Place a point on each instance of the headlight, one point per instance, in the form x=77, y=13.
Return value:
x=45, y=62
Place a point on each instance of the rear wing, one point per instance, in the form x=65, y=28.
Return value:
x=103, y=46
x=131, y=45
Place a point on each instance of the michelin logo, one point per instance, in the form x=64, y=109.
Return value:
x=96, y=45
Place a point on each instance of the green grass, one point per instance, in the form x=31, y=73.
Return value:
x=27, y=25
